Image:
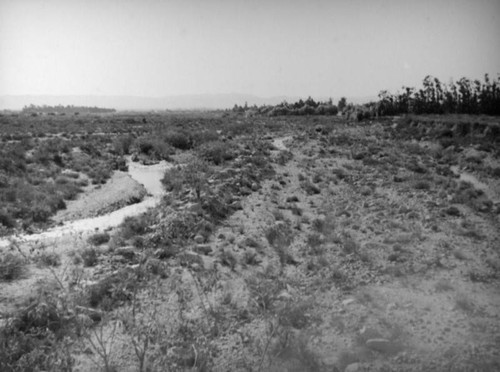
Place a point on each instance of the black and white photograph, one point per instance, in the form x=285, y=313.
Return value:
x=249, y=186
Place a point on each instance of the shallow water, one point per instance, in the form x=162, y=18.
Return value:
x=150, y=176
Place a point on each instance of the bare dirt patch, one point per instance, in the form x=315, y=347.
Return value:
x=119, y=191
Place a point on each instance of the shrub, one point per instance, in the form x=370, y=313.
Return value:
x=133, y=226
x=280, y=237
x=49, y=259
x=115, y=289
x=193, y=175
x=153, y=147
x=90, y=257
x=32, y=341
x=179, y=140
x=216, y=208
x=122, y=144
x=217, y=152
x=98, y=239
x=6, y=219
x=11, y=266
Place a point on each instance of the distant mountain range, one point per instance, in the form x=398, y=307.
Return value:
x=180, y=102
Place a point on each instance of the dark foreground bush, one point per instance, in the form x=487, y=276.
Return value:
x=12, y=266
x=99, y=239
x=6, y=220
x=115, y=289
x=33, y=339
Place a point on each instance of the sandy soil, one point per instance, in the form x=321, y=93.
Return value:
x=119, y=191
x=380, y=272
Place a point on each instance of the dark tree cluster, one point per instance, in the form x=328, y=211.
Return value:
x=67, y=110
x=301, y=107
x=434, y=97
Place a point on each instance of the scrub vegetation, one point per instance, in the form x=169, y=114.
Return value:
x=297, y=243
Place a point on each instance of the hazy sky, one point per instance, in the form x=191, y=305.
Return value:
x=262, y=47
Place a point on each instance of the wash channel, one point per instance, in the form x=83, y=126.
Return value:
x=148, y=175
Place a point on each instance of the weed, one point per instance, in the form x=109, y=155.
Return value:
x=133, y=226
x=422, y=185
x=113, y=290
x=464, y=303
x=310, y=188
x=217, y=152
x=194, y=175
x=280, y=237
x=278, y=215
x=264, y=292
x=315, y=242
x=295, y=315
x=227, y=258
x=443, y=285
x=12, y=266
x=49, y=259
x=90, y=256
x=349, y=245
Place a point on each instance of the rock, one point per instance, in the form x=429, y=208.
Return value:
x=348, y=301
x=353, y=367
x=255, y=186
x=284, y=295
x=236, y=205
x=199, y=239
x=292, y=199
x=381, y=345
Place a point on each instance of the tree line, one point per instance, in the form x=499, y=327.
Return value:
x=434, y=97
x=300, y=107
x=69, y=109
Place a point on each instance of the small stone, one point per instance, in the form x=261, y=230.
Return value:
x=353, y=367
x=348, y=301
x=199, y=239
x=236, y=205
x=284, y=295
x=380, y=344
x=255, y=186
x=292, y=199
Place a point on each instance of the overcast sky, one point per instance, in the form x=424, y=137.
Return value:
x=263, y=47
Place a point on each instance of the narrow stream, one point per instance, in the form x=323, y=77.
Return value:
x=149, y=176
